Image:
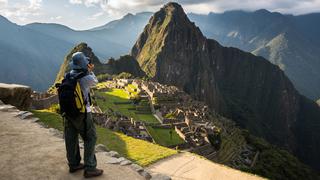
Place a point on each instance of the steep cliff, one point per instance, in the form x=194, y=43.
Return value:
x=246, y=88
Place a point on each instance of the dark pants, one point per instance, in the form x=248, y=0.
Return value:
x=84, y=126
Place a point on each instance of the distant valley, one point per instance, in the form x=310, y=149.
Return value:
x=32, y=54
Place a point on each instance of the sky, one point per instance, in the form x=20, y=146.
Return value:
x=86, y=14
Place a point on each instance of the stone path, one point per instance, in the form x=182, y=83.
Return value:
x=29, y=151
x=185, y=166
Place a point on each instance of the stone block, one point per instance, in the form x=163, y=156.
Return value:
x=27, y=115
x=145, y=174
x=136, y=167
x=160, y=177
x=113, y=154
x=101, y=148
x=16, y=95
x=113, y=160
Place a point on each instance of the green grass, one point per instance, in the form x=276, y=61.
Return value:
x=139, y=151
x=119, y=95
x=162, y=136
x=113, y=96
x=131, y=89
x=50, y=119
x=147, y=118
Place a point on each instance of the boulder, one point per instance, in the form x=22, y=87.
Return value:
x=113, y=160
x=101, y=148
x=112, y=154
x=16, y=95
x=136, y=167
x=160, y=177
x=125, y=163
x=145, y=174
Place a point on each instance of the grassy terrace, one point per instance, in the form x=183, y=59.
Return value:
x=119, y=100
x=142, y=152
x=163, y=137
x=113, y=100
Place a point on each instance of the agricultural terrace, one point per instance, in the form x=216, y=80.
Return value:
x=120, y=101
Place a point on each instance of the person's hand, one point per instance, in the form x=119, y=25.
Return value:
x=90, y=67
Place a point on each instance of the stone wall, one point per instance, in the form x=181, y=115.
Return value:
x=44, y=103
x=16, y=95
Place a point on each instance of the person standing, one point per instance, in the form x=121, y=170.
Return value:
x=83, y=123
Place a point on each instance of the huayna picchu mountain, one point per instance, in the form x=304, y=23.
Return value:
x=246, y=88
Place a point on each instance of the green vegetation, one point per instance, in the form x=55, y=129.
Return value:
x=275, y=163
x=147, y=118
x=103, y=77
x=164, y=137
x=133, y=90
x=142, y=152
x=170, y=115
x=124, y=75
x=153, y=45
x=229, y=147
x=118, y=100
x=50, y=118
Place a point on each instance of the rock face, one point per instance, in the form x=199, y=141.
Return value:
x=246, y=88
x=16, y=95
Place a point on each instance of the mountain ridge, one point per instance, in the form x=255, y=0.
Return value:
x=246, y=88
x=252, y=32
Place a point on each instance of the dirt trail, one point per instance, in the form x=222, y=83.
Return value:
x=28, y=151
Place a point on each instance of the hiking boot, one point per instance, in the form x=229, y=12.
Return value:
x=92, y=173
x=76, y=168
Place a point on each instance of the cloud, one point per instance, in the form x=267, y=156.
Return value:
x=89, y=3
x=56, y=18
x=120, y=7
x=34, y=4
x=3, y=3
x=75, y=1
x=95, y=16
x=283, y=6
x=117, y=7
x=21, y=10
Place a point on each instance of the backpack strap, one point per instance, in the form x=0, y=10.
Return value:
x=78, y=76
x=81, y=75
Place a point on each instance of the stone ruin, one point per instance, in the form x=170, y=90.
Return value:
x=117, y=122
x=189, y=117
x=43, y=100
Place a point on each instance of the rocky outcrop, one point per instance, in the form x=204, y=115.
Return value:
x=246, y=88
x=123, y=64
x=318, y=102
x=16, y=95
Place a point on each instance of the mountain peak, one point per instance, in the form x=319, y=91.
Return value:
x=173, y=8
x=262, y=11
x=170, y=24
x=129, y=15
x=173, y=5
